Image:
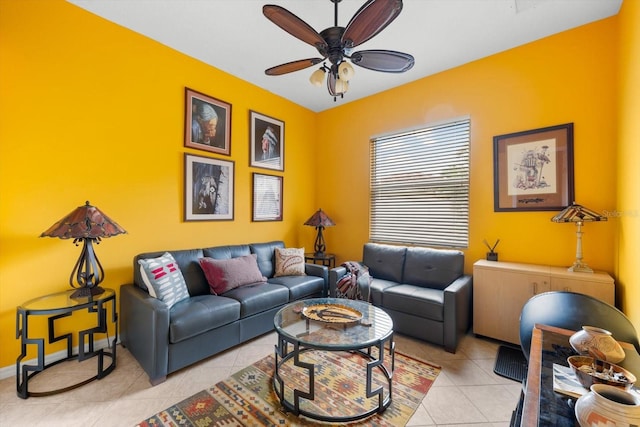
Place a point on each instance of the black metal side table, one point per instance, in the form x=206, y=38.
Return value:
x=328, y=260
x=57, y=306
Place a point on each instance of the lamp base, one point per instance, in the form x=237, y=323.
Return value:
x=319, y=245
x=580, y=267
x=87, y=292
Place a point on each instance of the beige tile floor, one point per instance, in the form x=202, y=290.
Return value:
x=466, y=393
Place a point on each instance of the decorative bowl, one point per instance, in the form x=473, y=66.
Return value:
x=332, y=313
x=591, y=371
x=597, y=342
x=608, y=406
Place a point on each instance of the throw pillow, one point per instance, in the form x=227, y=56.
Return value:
x=226, y=274
x=289, y=262
x=163, y=279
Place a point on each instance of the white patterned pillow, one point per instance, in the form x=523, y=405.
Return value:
x=164, y=279
x=289, y=262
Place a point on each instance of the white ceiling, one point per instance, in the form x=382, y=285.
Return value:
x=234, y=36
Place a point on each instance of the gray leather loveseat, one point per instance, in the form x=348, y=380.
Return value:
x=425, y=291
x=164, y=339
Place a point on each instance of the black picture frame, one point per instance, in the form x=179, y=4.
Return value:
x=266, y=141
x=267, y=197
x=533, y=169
x=209, y=189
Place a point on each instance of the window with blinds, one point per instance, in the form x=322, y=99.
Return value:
x=420, y=186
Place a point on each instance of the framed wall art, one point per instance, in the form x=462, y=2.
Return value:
x=207, y=123
x=533, y=170
x=267, y=142
x=209, y=186
x=267, y=197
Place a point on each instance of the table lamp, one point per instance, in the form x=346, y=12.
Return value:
x=87, y=224
x=319, y=220
x=579, y=215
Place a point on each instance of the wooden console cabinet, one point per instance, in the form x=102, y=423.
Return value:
x=500, y=290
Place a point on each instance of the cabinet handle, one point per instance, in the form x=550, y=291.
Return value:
x=535, y=288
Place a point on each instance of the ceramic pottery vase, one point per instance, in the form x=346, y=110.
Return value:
x=606, y=405
x=597, y=343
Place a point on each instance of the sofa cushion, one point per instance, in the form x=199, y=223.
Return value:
x=433, y=268
x=289, y=262
x=163, y=279
x=259, y=297
x=226, y=274
x=384, y=261
x=266, y=256
x=300, y=286
x=226, y=252
x=200, y=314
x=427, y=303
x=377, y=288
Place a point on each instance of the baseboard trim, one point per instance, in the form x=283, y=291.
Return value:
x=10, y=371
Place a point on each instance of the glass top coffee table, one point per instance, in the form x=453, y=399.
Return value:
x=314, y=337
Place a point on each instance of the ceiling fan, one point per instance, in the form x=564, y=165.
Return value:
x=336, y=44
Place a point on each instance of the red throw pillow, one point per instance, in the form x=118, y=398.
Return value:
x=226, y=274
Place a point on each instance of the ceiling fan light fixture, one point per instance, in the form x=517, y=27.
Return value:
x=342, y=86
x=317, y=77
x=345, y=71
x=335, y=44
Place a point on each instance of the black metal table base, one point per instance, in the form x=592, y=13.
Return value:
x=24, y=392
x=86, y=348
x=283, y=355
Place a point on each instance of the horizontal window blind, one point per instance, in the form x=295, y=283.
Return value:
x=420, y=186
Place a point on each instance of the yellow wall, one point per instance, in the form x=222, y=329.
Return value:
x=569, y=77
x=92, y=111
x=628, y=172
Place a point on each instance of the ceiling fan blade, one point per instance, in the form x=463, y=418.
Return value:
x=293, y=25
x=388, y=61
x=290, y=67
x=369, y=20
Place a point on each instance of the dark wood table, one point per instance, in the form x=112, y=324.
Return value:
x=543, y=406
x=328, y=260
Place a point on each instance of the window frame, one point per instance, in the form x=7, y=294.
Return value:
x=428, y=202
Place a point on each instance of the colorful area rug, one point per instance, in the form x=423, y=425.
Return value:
x=247, y=397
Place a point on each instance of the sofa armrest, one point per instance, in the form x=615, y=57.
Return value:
x=335, y=274
x=319, y=271
x=457, y=310
x=144, y=325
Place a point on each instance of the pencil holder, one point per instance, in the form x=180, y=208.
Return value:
x=492, y=256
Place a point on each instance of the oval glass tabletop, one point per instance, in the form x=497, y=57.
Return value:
x=63, y=300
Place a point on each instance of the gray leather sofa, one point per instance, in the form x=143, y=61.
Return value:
x=164, y=340
x=425, y=291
